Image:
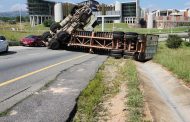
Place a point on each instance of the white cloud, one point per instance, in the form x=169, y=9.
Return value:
x=18, y=7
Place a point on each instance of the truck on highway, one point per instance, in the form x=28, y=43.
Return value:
x=76, y=30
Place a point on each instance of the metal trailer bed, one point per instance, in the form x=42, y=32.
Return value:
x=141, y=47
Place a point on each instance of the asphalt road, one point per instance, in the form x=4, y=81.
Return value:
x=25, y=70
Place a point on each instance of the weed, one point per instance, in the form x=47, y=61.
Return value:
x=176, y=61
x=134, y=97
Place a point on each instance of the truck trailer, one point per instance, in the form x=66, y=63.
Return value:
x=77, y=30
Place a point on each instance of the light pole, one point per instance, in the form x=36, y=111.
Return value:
x=20, y=11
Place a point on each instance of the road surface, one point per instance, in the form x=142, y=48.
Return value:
x=25, y=70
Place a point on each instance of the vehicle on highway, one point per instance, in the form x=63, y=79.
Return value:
x=4, y=45
x=32, y=40
x=76, y=31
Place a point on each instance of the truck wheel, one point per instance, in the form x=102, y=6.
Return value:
x=116, y=51
x=54, y=44
x=7, y=49
x=54, y=27
x=84, y=17
x=118, y=35
x=73, y=10
x=46, y=35
x=117, y=56
x=131, y=35
x=95, y=24
x=62, y=36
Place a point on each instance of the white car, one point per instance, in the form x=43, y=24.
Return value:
x=4, y=45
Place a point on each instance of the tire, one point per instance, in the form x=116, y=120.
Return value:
x=116, y=51
x=73, y=10
x=117, y=56
x=127, y=57
x=141, y=57
x=54, y=27
x=131, y=35
x=54, y=44
x=118, y=35
x=7, y=49
x=84, y=17
x=63, y=36
x=46, y=35
x=128, y=53
x=95, y=24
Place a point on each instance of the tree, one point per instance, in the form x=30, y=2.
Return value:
x=48, y=23
x=142, y=22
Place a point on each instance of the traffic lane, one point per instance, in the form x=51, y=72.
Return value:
x=14, y=92
x=55, y=102
x=18, y=65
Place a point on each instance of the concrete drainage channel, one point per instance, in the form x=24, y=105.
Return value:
x=57, y=101
x=168, y=99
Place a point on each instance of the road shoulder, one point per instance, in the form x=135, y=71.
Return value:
x=57, y=100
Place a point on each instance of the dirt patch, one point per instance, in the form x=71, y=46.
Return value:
x=113, y=105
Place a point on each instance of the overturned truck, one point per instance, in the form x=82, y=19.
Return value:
x=76, y=30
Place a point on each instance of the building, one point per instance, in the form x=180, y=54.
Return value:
x=131, y=12
x=127, y=12
x=170, y=18
x=40, y=10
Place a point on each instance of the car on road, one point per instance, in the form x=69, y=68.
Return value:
x=32, y=40
x=4, y=45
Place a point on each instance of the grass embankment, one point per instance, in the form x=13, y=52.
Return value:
x=89, y=105
x=90, y=97
x=124, y=27
x=20, y=32
x=176, y=60
x=134, y=97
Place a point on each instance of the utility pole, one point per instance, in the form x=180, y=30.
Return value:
x=20, y=10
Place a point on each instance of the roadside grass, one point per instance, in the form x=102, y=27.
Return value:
x=17, y=34
x=124, y=27
x=89, y=99
x=90, y=103
x=176, y=60
x=135, y=96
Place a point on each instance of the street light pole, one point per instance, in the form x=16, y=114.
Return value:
x=20, y=10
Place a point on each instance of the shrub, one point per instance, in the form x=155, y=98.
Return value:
x=48, y=23
x=187, y=44
x=173, y=41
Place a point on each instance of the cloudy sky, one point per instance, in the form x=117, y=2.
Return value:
x=15, y=5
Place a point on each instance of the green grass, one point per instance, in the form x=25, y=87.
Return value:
x=134, y=97
x=124, y=27
x=89, y=99
x=89, y=102
x=176, y=60
x=89, y=105
x=5, y=30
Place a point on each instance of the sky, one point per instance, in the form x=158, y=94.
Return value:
x=15, y=5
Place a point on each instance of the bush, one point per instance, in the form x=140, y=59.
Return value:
x=187, y=44
x=173, y=41
x=48, y=23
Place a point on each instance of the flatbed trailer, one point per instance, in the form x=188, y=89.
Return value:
x=67, y=33
x=119, y=44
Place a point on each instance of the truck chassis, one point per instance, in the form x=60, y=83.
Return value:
x=139, y=46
